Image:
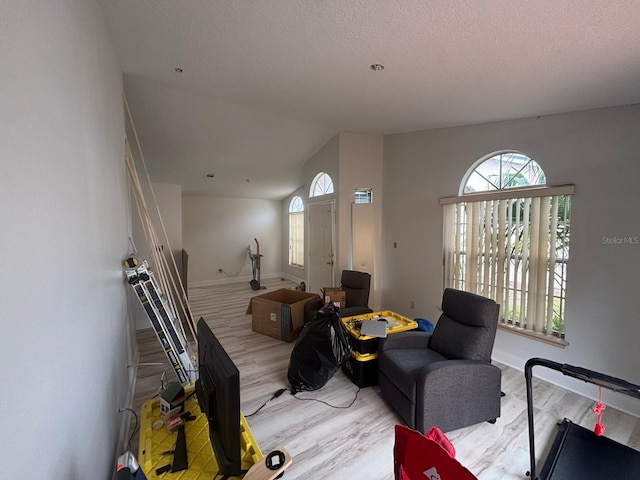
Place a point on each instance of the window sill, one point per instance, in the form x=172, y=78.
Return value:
x=540, y=337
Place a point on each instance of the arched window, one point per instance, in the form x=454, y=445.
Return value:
x=296, y=232
x=321, y=185
x=503, y=170
x=509, y=241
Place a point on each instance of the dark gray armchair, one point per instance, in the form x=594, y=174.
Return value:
x=356, y=286
x=446, y=378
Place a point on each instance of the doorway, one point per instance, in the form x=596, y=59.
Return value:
x=321, y=246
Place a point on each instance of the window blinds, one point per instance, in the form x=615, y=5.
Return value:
x=296, y=239
x=511, y=246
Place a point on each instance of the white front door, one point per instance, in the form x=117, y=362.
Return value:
x=321, y=249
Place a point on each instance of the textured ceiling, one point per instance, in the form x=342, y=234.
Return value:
x=266, y=83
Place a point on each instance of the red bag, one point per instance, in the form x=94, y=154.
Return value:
x=441, y=439
x=417, y=457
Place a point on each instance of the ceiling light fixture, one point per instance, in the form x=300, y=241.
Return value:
x=377, y=67
x=178, y=69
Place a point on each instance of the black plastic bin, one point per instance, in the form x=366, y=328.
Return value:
x=362, y=369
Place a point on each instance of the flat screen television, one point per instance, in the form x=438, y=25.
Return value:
x=218, y=393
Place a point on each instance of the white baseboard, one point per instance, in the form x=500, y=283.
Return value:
x=292, y=278
x=622, y=402
x=244, y=278
x=509, y=360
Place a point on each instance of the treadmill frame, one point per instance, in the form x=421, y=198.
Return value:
x=590, y=376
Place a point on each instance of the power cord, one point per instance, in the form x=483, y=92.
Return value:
x=277, y=393
x=273, y=397
x=229, y=275
x=327, y=403
x=137, y=425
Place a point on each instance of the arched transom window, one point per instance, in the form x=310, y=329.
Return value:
x=321, y=185
x=503, y=170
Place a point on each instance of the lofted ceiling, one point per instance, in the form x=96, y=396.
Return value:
x=266, y=83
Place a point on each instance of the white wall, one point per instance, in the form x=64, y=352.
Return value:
x=599, y=152
x=327, y=160
x=353, y=160
x=66, y=341
x=217, y=230
x=361, y=167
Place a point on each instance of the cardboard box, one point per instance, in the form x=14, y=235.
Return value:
x=279, y=314
x=335, y=295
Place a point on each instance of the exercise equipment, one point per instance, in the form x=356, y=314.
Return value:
x=576, y=451
x=255, y=266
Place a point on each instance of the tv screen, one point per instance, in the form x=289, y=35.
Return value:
x=218, y=393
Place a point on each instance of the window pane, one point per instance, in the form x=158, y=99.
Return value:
x=296, y=239
x=505, y=170
x=514, y=250
x=364, y=195
x=321, y=185
x=296, y=205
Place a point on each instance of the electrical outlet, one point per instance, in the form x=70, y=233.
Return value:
x=412, y=304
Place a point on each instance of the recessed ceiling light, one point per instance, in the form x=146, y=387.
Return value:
x=209, y=175
x=377, y=67
x=178, y=69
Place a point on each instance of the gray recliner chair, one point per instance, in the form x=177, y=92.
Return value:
x=356, y=286
x=446, y=378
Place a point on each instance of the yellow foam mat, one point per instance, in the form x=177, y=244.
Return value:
x=156, y=439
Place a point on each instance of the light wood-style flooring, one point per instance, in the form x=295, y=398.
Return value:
x=357, y=442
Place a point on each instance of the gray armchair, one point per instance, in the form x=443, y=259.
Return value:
x=446, y=378
x=356, y=286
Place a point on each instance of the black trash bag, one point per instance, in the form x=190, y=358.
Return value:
x=322, y=347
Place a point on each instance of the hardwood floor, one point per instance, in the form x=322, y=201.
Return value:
x=357, y=442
